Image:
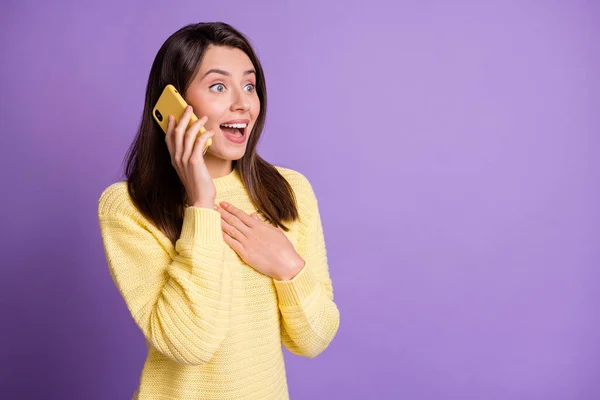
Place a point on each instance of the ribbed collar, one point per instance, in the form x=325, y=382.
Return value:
x=225, y=183
x=230, y=181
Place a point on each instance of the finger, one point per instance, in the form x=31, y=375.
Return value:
x=235, y=245
x=230, y=230
x=255, y=216
x=241, y=215
x=233, y=221
x=190, y=138
x=180, y=130
x=199, y=144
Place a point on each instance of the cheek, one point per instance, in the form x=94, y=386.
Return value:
x=210, y=107
x=255, y=109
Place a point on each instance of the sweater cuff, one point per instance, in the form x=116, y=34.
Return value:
x=201, y=224
x=295, y=291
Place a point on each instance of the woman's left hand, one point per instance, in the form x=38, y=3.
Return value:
x=262, y=246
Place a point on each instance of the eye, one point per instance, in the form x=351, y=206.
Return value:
x=249, y=87
x=217, y=87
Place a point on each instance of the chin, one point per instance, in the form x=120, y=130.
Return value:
x=229, y=154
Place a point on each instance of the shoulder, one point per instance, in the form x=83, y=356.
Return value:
x=300, y=183
x=115, y=200
x=304, y=193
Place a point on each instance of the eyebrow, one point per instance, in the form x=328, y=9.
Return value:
x=222, y=72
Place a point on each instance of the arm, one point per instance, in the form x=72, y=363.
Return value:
x=181, y=304
x=310, y=318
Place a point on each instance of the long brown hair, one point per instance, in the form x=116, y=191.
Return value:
x=152, y=181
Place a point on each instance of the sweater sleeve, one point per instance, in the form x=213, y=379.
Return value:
x=180, y=301
x=310, y=318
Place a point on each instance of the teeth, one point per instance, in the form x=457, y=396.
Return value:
x=238, y=126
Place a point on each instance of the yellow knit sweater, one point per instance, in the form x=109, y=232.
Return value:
x=214, y=326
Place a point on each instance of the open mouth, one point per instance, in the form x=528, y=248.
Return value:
x=234, y=130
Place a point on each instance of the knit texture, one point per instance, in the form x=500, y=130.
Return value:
x=214, y=326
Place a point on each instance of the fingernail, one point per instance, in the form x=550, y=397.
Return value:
x=216, y=208
x=224, y=204
x=188, y=108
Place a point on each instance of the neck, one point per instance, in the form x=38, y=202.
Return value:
x=217, y=167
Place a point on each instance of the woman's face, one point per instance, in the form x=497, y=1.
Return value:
x=224, y=90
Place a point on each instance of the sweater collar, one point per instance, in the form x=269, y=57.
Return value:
x=232, y=180
x=229, y=181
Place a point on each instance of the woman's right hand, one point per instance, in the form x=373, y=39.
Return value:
x=186, y=149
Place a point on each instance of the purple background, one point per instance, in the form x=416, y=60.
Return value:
x=453, y=148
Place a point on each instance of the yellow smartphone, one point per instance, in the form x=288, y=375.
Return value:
x=171, y=102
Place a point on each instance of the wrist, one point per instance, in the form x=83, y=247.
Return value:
x=288, y=273
x=200, y=204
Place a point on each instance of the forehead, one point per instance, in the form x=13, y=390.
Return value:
x=227, y=58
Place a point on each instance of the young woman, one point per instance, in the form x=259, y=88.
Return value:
x=220, y=257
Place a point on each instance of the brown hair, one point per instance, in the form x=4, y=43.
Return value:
x=152, y=181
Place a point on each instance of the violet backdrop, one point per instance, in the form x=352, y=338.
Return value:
x=453, y=147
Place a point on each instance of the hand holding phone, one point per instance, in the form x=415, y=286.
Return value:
x=171, y=102
x=187, y=141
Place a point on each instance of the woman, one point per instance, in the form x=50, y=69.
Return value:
x=215, y=288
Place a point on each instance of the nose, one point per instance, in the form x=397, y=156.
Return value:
x=240, y=101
